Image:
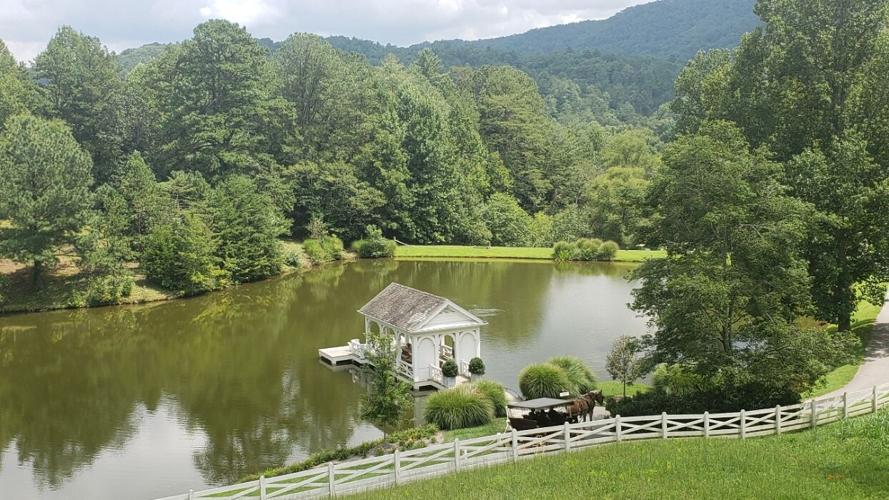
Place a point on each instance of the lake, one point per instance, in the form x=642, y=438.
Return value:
x=147, y=401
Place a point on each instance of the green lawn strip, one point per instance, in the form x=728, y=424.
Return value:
x=848, y=459
x=862, y=326
x=615, y=388
x=530, y=253
x=497, y=425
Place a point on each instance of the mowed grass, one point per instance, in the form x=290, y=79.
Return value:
x=849, y=459
x=530, y=253
x=862, y=326
x=615, y=388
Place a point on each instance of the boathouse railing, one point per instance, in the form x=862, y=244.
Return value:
x=403, y=466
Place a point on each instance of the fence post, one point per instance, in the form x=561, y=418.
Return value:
x=456, y=454
x=778, y=419
x=617, y=428
x=567, y=437
x=515, y=447
x=874, y=400
x=706, y=424
x=664, y=425
x=331, y=480
x=743, y=428
x=814, y=413
x=261, y=487
x=845, y=405
x=397, y=460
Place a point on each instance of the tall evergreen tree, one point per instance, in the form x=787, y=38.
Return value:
x=83, y=86
x=45, y=190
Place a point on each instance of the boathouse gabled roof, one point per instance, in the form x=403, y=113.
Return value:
x=413, y=311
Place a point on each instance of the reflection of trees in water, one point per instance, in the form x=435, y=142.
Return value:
x=241, y=365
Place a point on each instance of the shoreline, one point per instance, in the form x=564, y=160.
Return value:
x=146, y=293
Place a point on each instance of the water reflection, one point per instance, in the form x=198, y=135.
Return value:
x=167, y=397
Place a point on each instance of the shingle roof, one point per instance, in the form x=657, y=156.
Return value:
x=404, y=307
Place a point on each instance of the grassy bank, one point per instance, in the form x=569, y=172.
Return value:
x=844, y=460
x=530, y=253
x=64, y=285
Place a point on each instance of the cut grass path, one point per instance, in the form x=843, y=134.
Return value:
x=849, y=459
x=529, y=253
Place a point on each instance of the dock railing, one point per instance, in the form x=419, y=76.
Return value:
x=422, y=463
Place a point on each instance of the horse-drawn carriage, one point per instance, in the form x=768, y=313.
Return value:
x=547, y=412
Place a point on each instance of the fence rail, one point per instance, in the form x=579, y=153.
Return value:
x=402, y=466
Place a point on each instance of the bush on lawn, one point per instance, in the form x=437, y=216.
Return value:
x=374, y=245
x=543, y=380
x=495, y=393
x=326, y=249
x=607, y=251
x=581, y=378
x=458, y=408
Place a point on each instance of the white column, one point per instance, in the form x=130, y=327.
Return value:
x=478, y=342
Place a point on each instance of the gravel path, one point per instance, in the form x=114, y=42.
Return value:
x=875, y=369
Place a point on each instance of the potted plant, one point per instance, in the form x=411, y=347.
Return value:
x=449, y=371
x=476, y=367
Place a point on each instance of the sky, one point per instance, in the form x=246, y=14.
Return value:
x=26, y=25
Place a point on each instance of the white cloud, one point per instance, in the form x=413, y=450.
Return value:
x=26, y=25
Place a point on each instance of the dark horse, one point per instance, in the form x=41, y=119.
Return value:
x=583, y=407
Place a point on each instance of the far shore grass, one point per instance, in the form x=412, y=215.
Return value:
x=524, y=253
x=64, y=282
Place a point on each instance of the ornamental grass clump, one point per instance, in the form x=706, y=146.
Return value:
x=495, y=393
x=580, y=377
x=607, y=251
x=458, y=408
x=564, y=251
x=587, y=249
x=543, y=380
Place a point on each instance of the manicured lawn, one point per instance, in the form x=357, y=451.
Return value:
x=497, y=425
x=849, y=459
x=615, y=388
x=862, y=326
x=533, y=253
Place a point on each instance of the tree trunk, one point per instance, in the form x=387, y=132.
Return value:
x=844, y=323
x=36, y=274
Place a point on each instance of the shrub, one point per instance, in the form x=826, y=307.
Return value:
x=292, y=259
x=543, y=380
x=374, y=245
x=109, y=288
x=495, y=393
x=326, y=249
x=179, y=256
x=607, y=251
x=564, y=251
x=458, y=408
x=581, y=378
x=476, y=366
x=714, y=398
x=587, y=249
x=449, y=368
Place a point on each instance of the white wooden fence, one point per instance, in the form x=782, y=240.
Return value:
x=400, y=467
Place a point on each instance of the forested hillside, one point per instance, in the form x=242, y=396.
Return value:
x=617, y=70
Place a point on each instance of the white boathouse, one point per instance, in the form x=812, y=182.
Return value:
x=428, y=330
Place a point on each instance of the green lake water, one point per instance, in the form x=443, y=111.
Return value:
x=148, y=401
